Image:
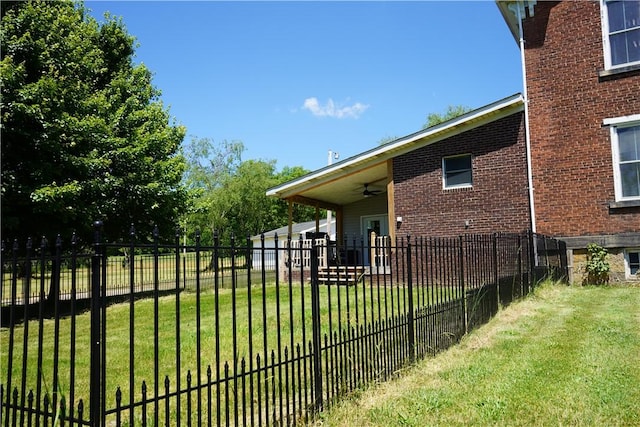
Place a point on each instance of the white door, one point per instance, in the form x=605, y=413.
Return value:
x=378, y=224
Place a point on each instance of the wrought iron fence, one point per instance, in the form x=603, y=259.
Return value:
x=167, y=334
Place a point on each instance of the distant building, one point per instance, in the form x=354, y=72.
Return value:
x=299, y=230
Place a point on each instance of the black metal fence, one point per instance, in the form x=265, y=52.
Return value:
x=166, y=334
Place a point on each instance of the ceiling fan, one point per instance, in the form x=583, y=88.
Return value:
x=369, y=193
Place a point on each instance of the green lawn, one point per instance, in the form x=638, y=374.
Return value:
x=564, y=356
x=118, y=272
x=280, y=306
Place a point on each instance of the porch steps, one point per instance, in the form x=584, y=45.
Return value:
x=342, y=275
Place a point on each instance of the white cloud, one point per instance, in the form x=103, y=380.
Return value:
x=331, y=110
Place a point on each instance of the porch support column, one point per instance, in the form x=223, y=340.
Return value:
x=290, y=232
x=391, y=210
x=339, y=226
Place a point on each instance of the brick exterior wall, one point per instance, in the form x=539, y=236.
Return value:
x=568, y=100
x=498, y=200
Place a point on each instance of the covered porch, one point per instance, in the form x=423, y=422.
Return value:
x=355, y=187
x=358, y=193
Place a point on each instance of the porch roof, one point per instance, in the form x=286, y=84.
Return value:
x=343, y=182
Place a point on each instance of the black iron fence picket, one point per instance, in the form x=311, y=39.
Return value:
x=154, y=333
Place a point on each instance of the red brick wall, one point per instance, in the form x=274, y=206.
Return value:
x=571, y=150
x=498, y=200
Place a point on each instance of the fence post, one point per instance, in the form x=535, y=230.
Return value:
x=95, y=397
x=546, y=255
x=532, y=259
x=564, y=264
x=156, y=323
x=465, y=315
x=131, y=260
x=520, y=282
x=315, y=315
x=177, y=307
x=56, y=267
x=494, y=256
x=410, y=317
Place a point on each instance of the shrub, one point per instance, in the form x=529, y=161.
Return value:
x=597, y=267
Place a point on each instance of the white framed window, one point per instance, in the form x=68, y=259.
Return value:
x=621, y=32
x=457, y=171
x=625, y=149
x=632, y=263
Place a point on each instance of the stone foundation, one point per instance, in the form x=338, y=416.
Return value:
x=616, y=261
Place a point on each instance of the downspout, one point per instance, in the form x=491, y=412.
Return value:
x=519, y=8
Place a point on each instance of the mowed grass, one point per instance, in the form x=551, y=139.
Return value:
x=262, y=325
x=132, y=331
x=564, y=356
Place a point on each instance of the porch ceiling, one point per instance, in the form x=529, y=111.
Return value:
x=343, y=189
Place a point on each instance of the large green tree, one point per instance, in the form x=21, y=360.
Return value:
x=85, y=136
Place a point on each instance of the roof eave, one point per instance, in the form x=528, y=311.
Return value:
x=508, y=9
x=509, y=18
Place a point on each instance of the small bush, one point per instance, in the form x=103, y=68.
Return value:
x=597, y=267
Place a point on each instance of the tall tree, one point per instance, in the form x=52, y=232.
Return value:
x=84, y=134
x=210, y=167
x=453, y=111
x=300, y=213
x=229, y=194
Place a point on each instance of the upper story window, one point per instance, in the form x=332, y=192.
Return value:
x=625, y=148
x=621, y=28
x=456, y=171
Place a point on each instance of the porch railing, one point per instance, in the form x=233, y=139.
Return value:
x=298, y=252
x=329, y=253
x=380, y=252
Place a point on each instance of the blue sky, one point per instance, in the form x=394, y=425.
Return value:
x=292, y=80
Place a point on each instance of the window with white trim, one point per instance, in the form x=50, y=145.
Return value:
x=625, y=147
x=456, y=171
x=621, y=32
x=632, y=263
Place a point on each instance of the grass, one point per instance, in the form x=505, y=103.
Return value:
x=565, y=356
x=286, y=322
x=118, y=272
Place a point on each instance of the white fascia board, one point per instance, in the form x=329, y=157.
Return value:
x=463, y=123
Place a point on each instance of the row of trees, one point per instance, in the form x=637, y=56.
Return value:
x=85, y=137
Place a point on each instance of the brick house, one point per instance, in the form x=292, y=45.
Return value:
x=583, y=88
x=562, y=159
x=445, y=180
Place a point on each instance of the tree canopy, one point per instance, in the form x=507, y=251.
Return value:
x=229, y=194
x=453, y=111
x=85, y=136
